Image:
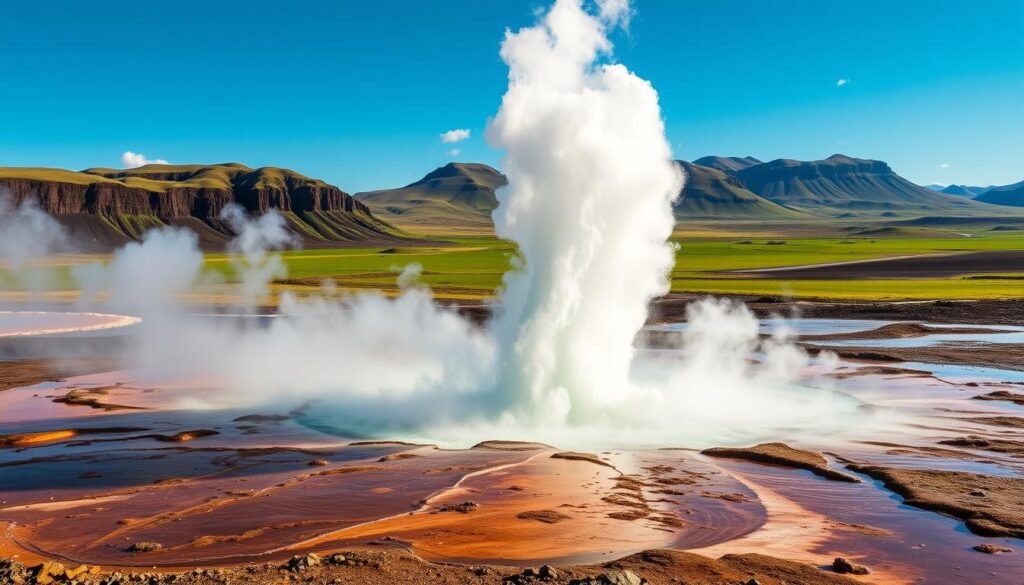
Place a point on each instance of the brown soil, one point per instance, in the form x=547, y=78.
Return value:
x=990, y=505
x=1015, y=448
x=1006, y=395
x=991, y=549
x=915, y=267
x=998, y=421
x=398, y=457
x=783, y=454
x=511, y=446
x=26, y=372
x=575, y=456
x=545, y=516
x=672, y=307
x=879, y=371
x=1007, y=356
x=394, y=566
x=93, y=398
x=898, y=331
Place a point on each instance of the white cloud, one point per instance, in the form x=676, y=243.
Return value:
x=457, y=135
x=615, y=12
x=944, y=166
x=841, y=82
x=130, y=160
x=454, y=152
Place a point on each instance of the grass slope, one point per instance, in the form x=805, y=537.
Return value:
x=711, y=193
x=458, y=197
x=841, y=185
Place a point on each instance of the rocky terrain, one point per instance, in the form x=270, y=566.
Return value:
x=390, y=566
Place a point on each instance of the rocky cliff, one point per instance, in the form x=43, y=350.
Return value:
x=128, y=201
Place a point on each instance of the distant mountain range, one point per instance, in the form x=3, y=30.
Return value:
x=105, y=208
x=711, y=192
x=1006, y=195
x=108, y=207
x=1012, y=195
x=462, y=195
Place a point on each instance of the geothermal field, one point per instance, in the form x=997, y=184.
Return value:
x=218, y=374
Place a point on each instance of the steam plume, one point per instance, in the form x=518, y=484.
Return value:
x=589, y=201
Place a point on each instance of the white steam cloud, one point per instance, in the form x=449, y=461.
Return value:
x=131, y=160
x=252, y=259
x=589, y=201
x=27, y=232
x=453, y=136
x=589, y=195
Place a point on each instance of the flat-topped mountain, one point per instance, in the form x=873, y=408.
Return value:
x=458, y=195
x=843, y=183
x=728, y=164
x=108, y=207
x=711, y=193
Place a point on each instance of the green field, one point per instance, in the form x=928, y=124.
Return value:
x=472, y=268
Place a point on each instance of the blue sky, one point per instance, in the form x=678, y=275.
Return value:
x=358, y=92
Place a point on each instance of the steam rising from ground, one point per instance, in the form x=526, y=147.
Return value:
x=27, y=234
x=589, y=202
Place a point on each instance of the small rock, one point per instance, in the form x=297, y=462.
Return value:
x=303, y=562
x=144, y=546
x=547, y=573
x=463, y=507
x=620, y=577
x=49, y=572
x=843, y=566
x=318, y=462
x=991, y=549
x=978, y=494
x=336, y=559
x=753, y=582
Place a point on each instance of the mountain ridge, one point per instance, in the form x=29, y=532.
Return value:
x=1008, y=195
x=841, y=183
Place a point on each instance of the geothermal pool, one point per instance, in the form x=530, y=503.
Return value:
x=129, y=461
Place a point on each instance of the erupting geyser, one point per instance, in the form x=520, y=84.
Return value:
x=589, y=202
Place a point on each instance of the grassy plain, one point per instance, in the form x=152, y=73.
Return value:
x=471, y=268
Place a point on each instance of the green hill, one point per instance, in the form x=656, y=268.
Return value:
x=457, y=196
x=710, y=193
